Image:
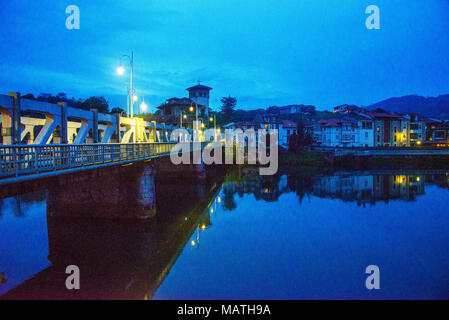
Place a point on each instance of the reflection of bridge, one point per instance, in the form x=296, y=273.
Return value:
x=42, y=139
x=119, y=259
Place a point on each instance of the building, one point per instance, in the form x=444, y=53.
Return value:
x=365, y=129
x=390, y=130
x=200, y=95
x=437, y=133
x=286, y=129
x=182, y=110
x=269, y=122
x=337, y=133
x=417, y=128
x=346, y=108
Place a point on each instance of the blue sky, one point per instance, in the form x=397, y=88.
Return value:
x=262, y=52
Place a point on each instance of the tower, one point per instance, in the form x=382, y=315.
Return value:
x=200, y=95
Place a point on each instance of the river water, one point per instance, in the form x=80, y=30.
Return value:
x=239, y=236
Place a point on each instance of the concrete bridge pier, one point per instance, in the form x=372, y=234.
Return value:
x=166, y=168
x=111, y=192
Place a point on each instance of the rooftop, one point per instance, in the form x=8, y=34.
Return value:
x=199, y=86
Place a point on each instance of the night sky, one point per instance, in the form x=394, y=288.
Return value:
x=262, y=52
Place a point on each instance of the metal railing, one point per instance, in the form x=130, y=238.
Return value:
x=18, y=160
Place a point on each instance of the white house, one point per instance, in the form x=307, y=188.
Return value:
x=337, y=133
x=286, y=129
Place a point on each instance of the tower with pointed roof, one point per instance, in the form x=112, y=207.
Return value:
x=200, y=95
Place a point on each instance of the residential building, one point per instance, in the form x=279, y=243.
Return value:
x=286, y=129
x=437, y=132
x=337, y=133
x=417, y=129
x=390, y=130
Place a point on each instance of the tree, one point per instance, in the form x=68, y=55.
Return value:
x=98, y=103
x=117, y=110
x=228, y=106
x=301, y=139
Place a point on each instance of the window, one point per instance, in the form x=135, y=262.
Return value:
x=366, y=134
x=367, y=125
x=378, y=128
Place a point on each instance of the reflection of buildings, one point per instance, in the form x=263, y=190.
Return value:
x=369, y=188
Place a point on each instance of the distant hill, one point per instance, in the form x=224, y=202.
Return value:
x=437, y=107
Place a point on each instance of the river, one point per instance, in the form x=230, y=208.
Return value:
x=239, y=236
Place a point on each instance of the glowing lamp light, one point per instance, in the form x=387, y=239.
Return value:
x=219, y=199
x=192, y=243
x=203, y=227
x=211, y=119
x=191, y=109
x=211, y=210
x=184, y=116
x=143, y=106
x=120, y=70
x=135, y=98
x=202, y=125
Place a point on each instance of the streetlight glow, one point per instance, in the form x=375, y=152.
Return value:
x=120, y=70
x=135, y=98
x=143, y=106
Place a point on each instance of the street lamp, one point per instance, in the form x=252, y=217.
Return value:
x=196, y=117
x=182, y=116
x=143, y=106
x=121, y=71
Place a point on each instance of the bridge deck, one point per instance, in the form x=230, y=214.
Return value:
x=25, y=162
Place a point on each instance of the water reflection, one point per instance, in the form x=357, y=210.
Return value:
x=118, y=258
x=312, y=236
x=236, y=236
x=363, y=188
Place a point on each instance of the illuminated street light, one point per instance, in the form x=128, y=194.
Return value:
x=135, y=98
x=143, y=106
x=121, y=71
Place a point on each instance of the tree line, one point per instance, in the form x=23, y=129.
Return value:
x=95, y=102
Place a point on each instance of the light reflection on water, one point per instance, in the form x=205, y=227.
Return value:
x=283, y=237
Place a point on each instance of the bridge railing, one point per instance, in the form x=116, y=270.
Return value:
x=17, y=160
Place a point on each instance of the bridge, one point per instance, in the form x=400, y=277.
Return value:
x=41, y=139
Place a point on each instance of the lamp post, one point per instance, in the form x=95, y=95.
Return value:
x=215, y=128
x=196, y=118
x=121, y=70
x=181, y=116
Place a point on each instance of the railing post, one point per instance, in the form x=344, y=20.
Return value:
x=16, y=126
x=36, y=159
x=15, y=160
